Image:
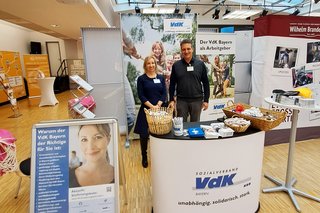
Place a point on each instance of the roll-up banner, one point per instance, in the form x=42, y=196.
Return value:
x=217, y=50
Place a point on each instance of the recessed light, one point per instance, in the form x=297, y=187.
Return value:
x=54, y=25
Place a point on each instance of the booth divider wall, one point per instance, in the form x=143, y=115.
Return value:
x=103, y=61
x=281, y=49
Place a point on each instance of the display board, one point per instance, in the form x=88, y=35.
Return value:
x=284, y=56
x=103, y=60
x=11, y=73
x=75, y=166
x=217, y=50
x=33, y=64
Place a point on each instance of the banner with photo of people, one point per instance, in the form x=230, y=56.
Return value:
x=217, y=51
x=151, y=34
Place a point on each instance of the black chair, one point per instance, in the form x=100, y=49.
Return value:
x=24, y=168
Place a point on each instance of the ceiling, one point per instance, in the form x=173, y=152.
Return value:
x=70, y=15
x=39, y=15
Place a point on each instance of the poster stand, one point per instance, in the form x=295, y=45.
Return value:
x=52, y=176
x=13, y=101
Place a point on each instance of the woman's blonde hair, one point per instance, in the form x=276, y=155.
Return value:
x=146, y=61
x=160, y=61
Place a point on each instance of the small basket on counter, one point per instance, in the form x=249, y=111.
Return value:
x=237, y=123
x=268, y=121
x=159, y=120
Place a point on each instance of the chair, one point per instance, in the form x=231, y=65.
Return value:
x=24, y=168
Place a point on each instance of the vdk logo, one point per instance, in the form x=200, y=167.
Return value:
x=218, y=106
x=216, y=182
x=176, y=24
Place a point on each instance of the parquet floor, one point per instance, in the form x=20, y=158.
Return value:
x=306, y=166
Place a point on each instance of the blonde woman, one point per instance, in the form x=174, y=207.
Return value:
x=94, y=141
x=152, y=94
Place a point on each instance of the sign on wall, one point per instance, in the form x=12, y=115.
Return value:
x=11, y=73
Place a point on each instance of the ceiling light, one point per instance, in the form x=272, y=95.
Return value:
x=160, y=10
x=216, y=14
x=226, y=12
x=176, y=10
x=295, y=13
x=241, y=14
x=54, y=25
x=188, y=9
x=137, y=9
x=73, y=1
x=264, y=13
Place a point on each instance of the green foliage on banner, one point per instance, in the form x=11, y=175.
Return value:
x=132, y=75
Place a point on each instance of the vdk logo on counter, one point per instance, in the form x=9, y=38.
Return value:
x=214, y=182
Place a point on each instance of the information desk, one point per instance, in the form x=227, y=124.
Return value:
x=206, y=175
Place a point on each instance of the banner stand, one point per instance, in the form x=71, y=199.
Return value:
x=64, y=154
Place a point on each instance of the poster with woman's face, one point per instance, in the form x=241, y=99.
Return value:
x=76, y=166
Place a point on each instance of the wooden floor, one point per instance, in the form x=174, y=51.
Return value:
x=306, y=165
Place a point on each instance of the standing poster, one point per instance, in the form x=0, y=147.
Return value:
x=11, y=74
x=217, y=51
x=75, y=166
x=33, y=64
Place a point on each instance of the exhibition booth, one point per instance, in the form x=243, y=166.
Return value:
x=204, y=173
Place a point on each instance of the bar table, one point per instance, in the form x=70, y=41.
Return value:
x=287, y=186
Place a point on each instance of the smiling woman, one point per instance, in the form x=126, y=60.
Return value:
x=96, y=168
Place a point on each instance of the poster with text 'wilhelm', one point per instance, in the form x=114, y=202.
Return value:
x=75, y=166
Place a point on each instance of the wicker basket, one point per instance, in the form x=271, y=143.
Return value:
x=270, y=120
x=236, y=128
x=160, y=120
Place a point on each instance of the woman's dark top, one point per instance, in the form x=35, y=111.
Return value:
x=73, y=182
x=149, y=89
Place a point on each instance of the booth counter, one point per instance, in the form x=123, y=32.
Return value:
x=206, y=175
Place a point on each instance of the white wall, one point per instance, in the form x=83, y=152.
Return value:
x=17, y=39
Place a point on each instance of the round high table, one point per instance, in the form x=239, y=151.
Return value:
x=47, y=94
x=206, y=175
x=287, y=186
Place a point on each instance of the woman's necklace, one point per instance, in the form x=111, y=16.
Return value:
x=151, y=75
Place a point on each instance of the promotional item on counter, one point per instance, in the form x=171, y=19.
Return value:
x=195, y=132
x=178, y=126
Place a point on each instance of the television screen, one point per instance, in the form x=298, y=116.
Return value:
x=35, y=47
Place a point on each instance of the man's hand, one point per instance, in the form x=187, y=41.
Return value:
x=171, y=104
x=205, y=106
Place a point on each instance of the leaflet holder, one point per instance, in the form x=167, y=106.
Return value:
x=82, y=105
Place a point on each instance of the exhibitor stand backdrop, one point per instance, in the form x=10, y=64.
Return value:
x=160, y=35
x=286, y=56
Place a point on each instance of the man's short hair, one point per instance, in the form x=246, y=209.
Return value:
x=185, y=41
